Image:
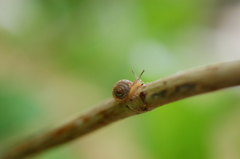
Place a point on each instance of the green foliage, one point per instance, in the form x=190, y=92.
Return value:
x=67, y=50
x=17, y=110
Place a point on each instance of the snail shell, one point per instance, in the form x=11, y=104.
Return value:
x=121, y=89
x=124, y=89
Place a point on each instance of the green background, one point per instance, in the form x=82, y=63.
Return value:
x=59, y=57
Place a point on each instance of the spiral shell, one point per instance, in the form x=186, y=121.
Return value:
x=121, y=90
x=124, y=89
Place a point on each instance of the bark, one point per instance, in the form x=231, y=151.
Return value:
x=147, y=97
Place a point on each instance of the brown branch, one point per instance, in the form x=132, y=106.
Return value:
x=148, y=97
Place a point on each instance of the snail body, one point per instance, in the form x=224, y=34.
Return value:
x=124, y=89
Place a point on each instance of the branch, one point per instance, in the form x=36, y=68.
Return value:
x=148, y=97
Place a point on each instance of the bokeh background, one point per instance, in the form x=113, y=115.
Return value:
x=59, y=57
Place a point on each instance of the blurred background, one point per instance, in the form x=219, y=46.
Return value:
x=59, y=57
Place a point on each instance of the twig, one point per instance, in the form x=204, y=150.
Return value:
x=148, y=97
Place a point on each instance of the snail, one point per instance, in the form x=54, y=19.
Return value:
x=124, y=89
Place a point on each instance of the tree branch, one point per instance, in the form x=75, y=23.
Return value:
x=148, y=97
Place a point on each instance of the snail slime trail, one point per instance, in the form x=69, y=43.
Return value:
x=124, y=89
